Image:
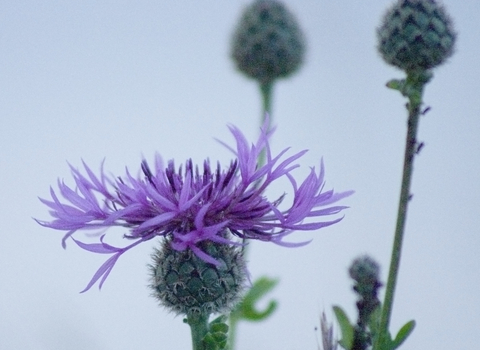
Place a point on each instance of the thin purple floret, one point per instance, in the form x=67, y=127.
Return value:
x=191, y=205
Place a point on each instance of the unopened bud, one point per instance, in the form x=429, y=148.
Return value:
x=416, y=35
x=268, y=43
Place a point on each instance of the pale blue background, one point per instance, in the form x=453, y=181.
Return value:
x=119, y=79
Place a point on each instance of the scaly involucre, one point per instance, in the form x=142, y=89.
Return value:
x=190, y=205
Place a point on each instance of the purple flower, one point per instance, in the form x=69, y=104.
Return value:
x=190, y=205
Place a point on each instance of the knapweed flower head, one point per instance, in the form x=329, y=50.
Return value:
x=416, y=35
x=191, y=206
x=268, y=42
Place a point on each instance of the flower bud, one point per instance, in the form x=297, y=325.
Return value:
x=188, y=285
x=364, y=270
x=416, y=35
x=267, y=43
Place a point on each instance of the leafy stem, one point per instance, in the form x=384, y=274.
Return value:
x=412, y=88
x=199, y=329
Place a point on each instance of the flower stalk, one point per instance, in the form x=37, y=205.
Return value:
x=199, y=329
x=415, y=36
x=412, y=88
x=266, y=89
x=267, y=93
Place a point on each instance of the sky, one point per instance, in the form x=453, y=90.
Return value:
x=119, y=81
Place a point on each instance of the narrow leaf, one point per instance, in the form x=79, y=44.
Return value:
x=247, y=310
x=209, y=342
x=220, y=338
x=219, y=327
x=396, y=84
x=403, y=333
x=374, y=322
x=346, y=328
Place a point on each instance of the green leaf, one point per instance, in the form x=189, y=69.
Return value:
x=219, y=337
x=403, y=333
x=246, y=308
x=219, y=319
x=219, y=327
x=374, y=323
x=216, y=338
x=215, y=341
x=396, y=84
x=210, y=343
x=346, y=328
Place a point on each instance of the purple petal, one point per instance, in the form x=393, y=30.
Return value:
x=103, y=272
x=155, y=221
x=100, y=248
x=204, y=256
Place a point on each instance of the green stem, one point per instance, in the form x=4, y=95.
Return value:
x=199, y=328
x=266, y=89
x=232, y=332
x=413, y=89
x=267, y=93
